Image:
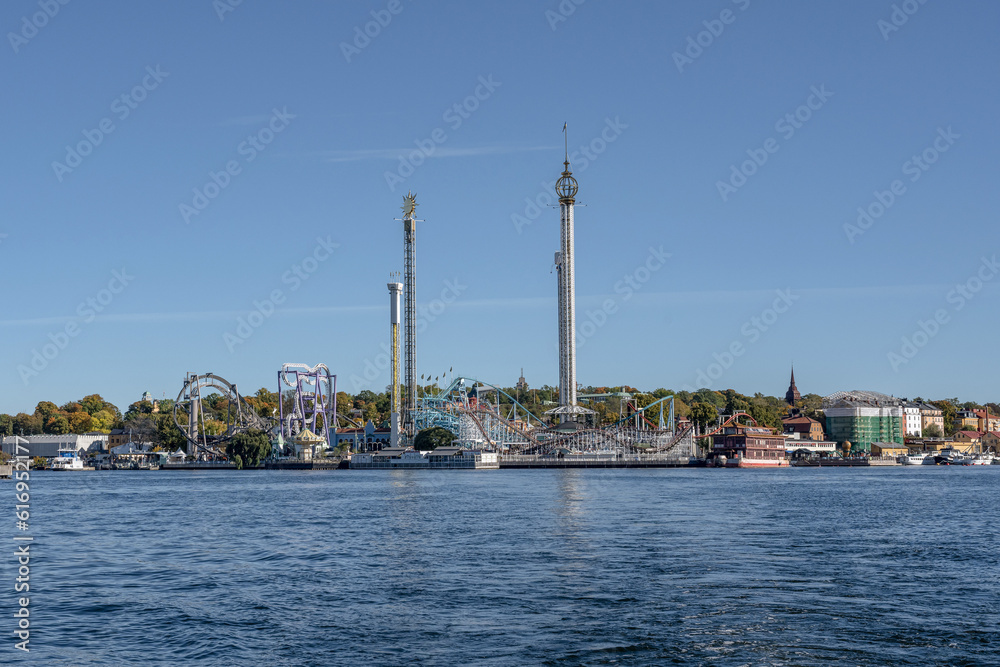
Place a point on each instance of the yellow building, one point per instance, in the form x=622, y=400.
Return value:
x=889, y=449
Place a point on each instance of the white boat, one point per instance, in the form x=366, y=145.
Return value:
x=949, y=456
x=918, y=459
x=68, y=459
x=983, y=459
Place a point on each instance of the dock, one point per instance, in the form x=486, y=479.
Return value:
x=526, y=461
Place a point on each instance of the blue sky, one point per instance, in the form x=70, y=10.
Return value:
x=766, y=267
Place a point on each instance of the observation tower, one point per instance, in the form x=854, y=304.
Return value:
x=566, y=188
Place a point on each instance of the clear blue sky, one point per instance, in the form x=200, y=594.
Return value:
x=678, y=127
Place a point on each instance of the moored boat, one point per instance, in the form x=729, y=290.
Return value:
x=983, y=459
x=949, y=456
x=68, y=459
x=917, y=459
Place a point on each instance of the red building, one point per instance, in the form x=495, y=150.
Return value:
x=749, y=446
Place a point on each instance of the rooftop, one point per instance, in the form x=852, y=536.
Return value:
x=858, y=397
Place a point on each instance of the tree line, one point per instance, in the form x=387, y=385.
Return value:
x=149, y=422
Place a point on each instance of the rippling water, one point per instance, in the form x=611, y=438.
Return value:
x=563, y=567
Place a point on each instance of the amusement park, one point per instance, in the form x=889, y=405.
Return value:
x=478, y=416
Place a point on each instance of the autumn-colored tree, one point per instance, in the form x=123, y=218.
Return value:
x=103, y=421
x=46, y=410
x=80, y=422
x=57, y=425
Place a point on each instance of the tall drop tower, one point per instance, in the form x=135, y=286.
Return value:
x=394, y=289
x=410, y=301
x=566, y=188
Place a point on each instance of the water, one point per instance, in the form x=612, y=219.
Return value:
x=552, y=567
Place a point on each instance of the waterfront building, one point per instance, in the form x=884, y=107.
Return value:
x=796, y=442
x=117, y=437
x=991, y=441
x=967, y=420
x=48, y=445
x=806, y=427
x=863, y=417
x=912, y=421
x=889, y=449
x=928, y=444
x=983, y=424
x=365, y=439
x=749, y=446
x=931, y=415
x=968, y=439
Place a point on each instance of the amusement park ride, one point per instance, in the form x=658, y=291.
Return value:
x=307, y=409
x=484, y=416
x=480, y=415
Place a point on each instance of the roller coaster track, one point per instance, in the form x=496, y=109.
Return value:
x=499, y=433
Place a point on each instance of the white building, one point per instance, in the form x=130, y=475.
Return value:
x=49, y=445
x=912, y=420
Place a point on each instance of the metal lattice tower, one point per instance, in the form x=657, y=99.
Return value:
x=566, y=188
x=410, y=302
x=394, y=290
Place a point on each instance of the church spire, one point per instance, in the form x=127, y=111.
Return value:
x=792, y=396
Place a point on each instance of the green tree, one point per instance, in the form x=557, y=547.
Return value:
x=38, y=463
x=950, y=414
x=432, y=438
x=138, y=408
x=168, y=436
x=25, y=424
x=249, y=448
x=735, y=402
x=704, y=415
x=932, y=431
x=57, y=425
x=6, y=425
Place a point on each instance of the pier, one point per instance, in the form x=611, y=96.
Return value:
x=529, y=461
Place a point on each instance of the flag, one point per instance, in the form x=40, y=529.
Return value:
x=564, y=126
